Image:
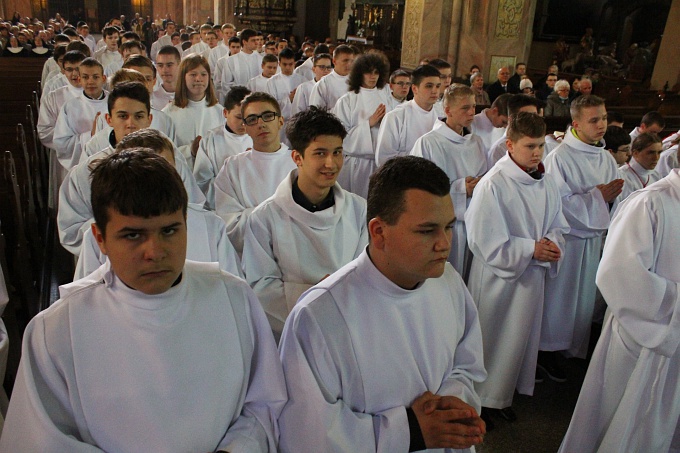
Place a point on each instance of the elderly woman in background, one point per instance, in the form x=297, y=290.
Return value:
x=477, y=85
x=558, y=102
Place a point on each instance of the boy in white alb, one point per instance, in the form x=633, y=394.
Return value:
x=167, y=67
x=109, y=53
x=383, y=354
x=321, y=68
x=489, y=124
x=329, y=89
x=310, y=227
x=249, y=178
x=282, y=86
x=515, y=227
x=589, y=186
x=630, y=399
x=515, y=104
x=221, y=143
x=222, y=49
x=269, y=66
x=639, y=171
x=458, y=152
x=240, y=68
x=652, y=122
x=77, y=118
x=401, y=127
x=106, y=367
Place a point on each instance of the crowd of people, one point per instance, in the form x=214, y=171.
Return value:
x=415, y=262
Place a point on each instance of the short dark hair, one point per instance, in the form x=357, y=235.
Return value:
x=131, y=90
x=322, y=48
x=525, y=124
x=399, y=73
x=127, y=45
x=615, y=137
x=582, y=102
x=170, y=50
x=644, y=140
x=270, y=43
x=286, y=53
x=388, y=185
x=61, y=39
x=615, y=117
x=516, y=102
x=422, y=72
x=135, y=182
x=320, y=56
x=440, y=63
x=501, y=103
x=234, y=39
x=107, y=31
x=92, y=63
x=269, y=58
x=131, y=35
x=70, y=32
x=139, y=61
x=259, y=96
x=235, y=96
x=80, y=47
x=73, y=56
x=308, y=124
x=344, y=48
x=247, y=33
x=59, y=51
x=146, y=138
x=365, y=64
x=652, y=118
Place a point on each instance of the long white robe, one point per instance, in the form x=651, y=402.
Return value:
x=354, y=110
x=499, y=148
x=49, y=66
x=668, y=141
x=302, y=94
x=635, y=177
x=191, y=121
x=570, y=296
x=483, y=128
x=161, y=98
x=108, y=368
x=509, y=212
x=217, y=52
x=459, y=156
x=257, y=83
x=399, y=130
x=305, y=70
x=280, y=86
x=328, y=90
x=236, y=70
x=112, y=68
x=74, y=127
x=357, y=350
x=106, y=57
x=59, y=80
x=288, y=249
x=245, y=181
x=50, y=106
x=667, y=161
x=215, y=147
x=200, y=48
x=207, y=242
x=630, y=399
x=75, y=209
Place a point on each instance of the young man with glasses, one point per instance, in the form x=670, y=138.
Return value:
x=327, y=92
x=322, y=67
x=249, y=178
x=400, y=84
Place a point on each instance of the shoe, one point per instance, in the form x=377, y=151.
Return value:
x=540, y=377
x=486, y=416
x=548, y=364
x=508, y=414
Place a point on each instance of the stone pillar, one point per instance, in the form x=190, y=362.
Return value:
x=669, y=51
x=426, y=30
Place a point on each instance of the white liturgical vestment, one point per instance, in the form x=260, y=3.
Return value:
x=288, y=249
x=245, y=181
x=302, y=94
x=354, y=110
x=630, y=399
x=667, y=161
x=108, y=368
x=328, y=90
x=635, y=177
x=400, y=128
x=570, y=296
x=459, y=156
x=236, y=70
x=215, y=147
x=509, y=212
x=483, y=128
x=50, y=106
x=357, y=350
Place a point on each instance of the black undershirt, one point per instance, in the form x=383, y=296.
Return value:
x=300, y=199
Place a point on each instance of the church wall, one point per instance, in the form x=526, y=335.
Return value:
x=669, y=51
x=9, y=6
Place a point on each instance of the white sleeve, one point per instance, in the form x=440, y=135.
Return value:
x=316, y=418
x=67, y=141
x=228, y=205
x=317, y=96
x=46, y=121
x=74, y=214
x=387, y=145
x=358, y=140
x=91, y=257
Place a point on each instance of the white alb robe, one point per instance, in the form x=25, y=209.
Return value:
x=357, y=350
x=288, y=249
x=509, y=212
x=49, y=66
x=499, y=148
x=668, y=141
x=668, y=160
x=280, y=86
x=215, y=147
x=305, y=70
x=245, y=181
x=191, y=121
x=110, y=368
x=161, y=98
x=216, y=53
x=328, y=90
x=236, y=70
x=200, y=48
x=459, y=156
x=483, y=128
x=50, y=106
x=302, y=94
x=635, y=133
x=106, y=57
x=635, y=177
x=112, y=68
x=56, y=82
x=570, y=296
x=74, y=127
x=75, y=208
x=394, y=102
x=354, y=110
x=258, y=83
x=207, y=242
x=400, y=128
x=630, y=399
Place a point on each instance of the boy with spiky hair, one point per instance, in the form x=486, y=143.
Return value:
x=514, y=229
x=311, y=226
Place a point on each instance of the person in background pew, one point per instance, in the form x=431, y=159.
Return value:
x=106, y=367
x=652, y=122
